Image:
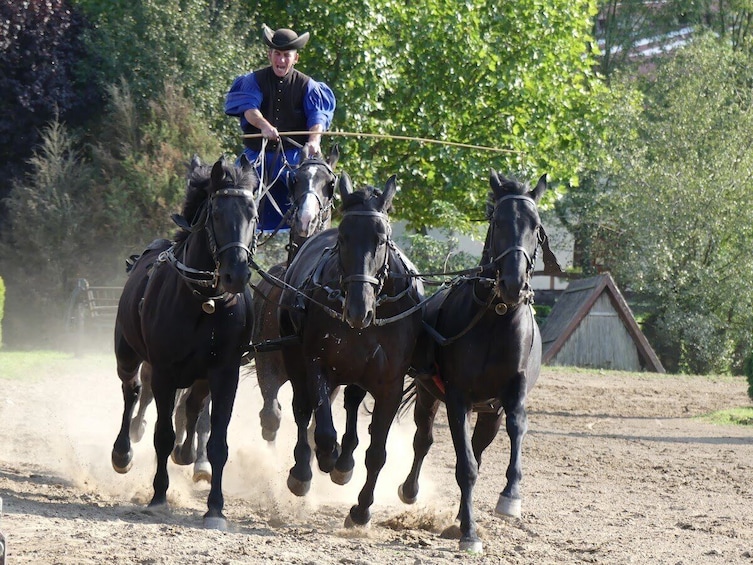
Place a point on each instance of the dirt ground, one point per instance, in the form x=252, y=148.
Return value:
x=618, y=468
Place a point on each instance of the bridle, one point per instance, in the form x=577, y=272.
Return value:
x=382, y=273
x=324, y=209
x=203, y=221
x=530, y=260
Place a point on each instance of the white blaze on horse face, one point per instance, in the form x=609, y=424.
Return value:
x=308, y=210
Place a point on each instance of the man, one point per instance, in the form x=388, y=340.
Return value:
x=275, y=99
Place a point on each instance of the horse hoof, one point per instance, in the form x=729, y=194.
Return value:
x=202, y=472
x=122, y=463
x=268, y=435
x=350, y=523
x=215, y=523
x=508, y=507
x=341, y=477
x=471, y=546
x=177, y=457
x=298, y=488
x=406, y=499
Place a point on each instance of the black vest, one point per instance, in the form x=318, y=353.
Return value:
x=281, y=105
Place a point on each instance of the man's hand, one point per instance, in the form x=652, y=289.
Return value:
x=312, y=148
x=270, y=132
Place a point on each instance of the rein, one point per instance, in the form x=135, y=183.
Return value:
x=501, y=308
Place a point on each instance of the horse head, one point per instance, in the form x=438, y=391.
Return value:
x=231, y=218
x=311, y=194
x=363, y=247
x=514, y=236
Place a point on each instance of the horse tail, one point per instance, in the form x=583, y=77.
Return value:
x=409, y=397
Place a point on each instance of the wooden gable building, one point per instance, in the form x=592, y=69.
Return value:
x=591, y=325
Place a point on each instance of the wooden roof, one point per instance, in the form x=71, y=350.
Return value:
x=574, y=304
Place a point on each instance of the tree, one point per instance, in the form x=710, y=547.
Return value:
x=40, y=46
x=46, y=235
x=672, y=217
x=143, y=158
x=513, y=76
x=195, y=45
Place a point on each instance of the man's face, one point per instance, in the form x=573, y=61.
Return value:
x=282, y=61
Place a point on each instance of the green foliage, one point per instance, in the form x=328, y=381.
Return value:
x=81, y=215
x=48, y=234
x=40, y=47
x=732, y=417
x=671, y=215
x=436, y=255
x=143, y=158
x=194, y=45
x=514, y=76
x=39, y=364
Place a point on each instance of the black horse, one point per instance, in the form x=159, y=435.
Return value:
x=482, y=352
x=354, y=307
x=312, y=197
x=186, y=315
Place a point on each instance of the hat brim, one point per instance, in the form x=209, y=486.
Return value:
x=297, y=43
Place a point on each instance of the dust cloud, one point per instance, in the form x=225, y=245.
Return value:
x=72, y=429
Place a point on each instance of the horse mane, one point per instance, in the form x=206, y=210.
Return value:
x=198, y=188
x=511, y=186
x=197, y=191
x=361, y=196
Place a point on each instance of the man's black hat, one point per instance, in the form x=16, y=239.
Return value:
x=284, y=39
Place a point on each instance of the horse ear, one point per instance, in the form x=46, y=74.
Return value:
x=334, y=156
x=195, y=162
x=390, y=188
x=540, y=188
x=344, y=185
x=218, y=171
x=496, y=183
x=245, y=163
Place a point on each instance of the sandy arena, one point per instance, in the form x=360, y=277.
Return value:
x=618, y=468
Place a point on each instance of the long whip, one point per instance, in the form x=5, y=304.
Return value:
x=388, y=136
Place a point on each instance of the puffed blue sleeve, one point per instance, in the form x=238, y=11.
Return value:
x=319, y=104
x=244, y=94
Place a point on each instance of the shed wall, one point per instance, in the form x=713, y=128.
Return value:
x=601, y=340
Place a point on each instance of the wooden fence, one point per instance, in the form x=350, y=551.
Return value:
x=91, y=314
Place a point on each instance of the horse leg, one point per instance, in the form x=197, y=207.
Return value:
x=424, y=413
x=187, y=412
x=202, y=470
x=385, y=410
x=325, y=435
x=299, y=477
x=487, y=426
x=164, y=439
x=138, y=423
x=516, y=423
x=271, y=375
x=466, y=468
x=343, y=471
x=128, y=368
x=180, y=424
x=223, y=388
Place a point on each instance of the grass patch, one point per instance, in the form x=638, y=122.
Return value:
x=38, y=364
x=732, y=416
